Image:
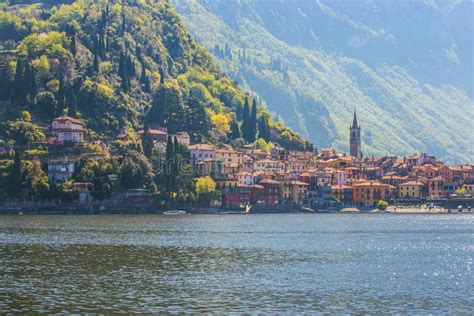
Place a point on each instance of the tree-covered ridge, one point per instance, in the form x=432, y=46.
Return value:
x=302, y=59
x=117, y=64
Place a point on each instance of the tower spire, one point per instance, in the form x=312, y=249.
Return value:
x=354, y=120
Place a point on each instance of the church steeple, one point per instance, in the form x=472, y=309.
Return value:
x=354, y=121
x=354, y=138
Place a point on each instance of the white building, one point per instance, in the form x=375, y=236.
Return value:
x=200, y=152
x=60, y=169
x=245, y=178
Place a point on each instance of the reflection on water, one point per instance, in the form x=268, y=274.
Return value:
x=242, y=263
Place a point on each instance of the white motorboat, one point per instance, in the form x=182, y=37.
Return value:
x=175, y=212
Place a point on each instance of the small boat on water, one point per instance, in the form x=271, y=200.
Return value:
x=175, y=212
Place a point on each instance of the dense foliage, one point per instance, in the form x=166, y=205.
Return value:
x=120, y=66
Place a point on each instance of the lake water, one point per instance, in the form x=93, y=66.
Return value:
x=286, y=263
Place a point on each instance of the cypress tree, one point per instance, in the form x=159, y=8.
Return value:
x=121, y=70
x=123, y=24
x=19, y=97
x=32, y=84
x=252, y=128
x=235, y=130
x=96, y=63
x=73, y=43
x=14, y=182
x=144, y=81
x=246, y=120
x=71, y=101
x=264, y=129
x=60, y=97
x=147, y=141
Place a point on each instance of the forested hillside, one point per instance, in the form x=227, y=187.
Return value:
x=116, y=64
x=120, y=68
x=406, y=67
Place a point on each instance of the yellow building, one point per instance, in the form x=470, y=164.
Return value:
x=412, y=190
x=226, y=183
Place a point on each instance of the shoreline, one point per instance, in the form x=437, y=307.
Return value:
x=217, y=211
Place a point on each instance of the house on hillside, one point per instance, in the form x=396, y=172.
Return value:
x=66, y=129
x=60, y=169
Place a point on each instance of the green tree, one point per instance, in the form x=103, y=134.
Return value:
x=60, y=97
x=461, y=192
x=264, y=129
x=197, y=119
x=46, y=104
x=246, y=120
x=147, y=141
x=235, y=130
x=101, y=173
x=168, y=107
x=15, y=176
x=136, y=171
x=253, y=123
x=36, y=179
x=205, y=188
x=145, y=81
x=382, y=205
x=18, y=90
x=71, y=102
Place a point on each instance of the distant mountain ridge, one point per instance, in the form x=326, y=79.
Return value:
x=405, y=66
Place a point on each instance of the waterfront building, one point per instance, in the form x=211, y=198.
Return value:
x=272, y=191
x=412, y=190
x=293, y=192
x=342, y=193
x=436, y=187
x=368, y=193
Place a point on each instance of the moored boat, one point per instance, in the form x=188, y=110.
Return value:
x=175, y=212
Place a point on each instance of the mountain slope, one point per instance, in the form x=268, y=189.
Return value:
x=313, y=63
x=116, y=65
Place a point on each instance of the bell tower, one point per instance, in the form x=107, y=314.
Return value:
x=354, y=138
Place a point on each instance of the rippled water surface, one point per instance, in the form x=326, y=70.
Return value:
x=237, y=263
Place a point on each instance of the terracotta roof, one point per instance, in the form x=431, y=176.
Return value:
x=413, y=183
x=341, y=187
x=68, y=118
x=201, y=147
x=298, y=183
x=369, y=183
x=154, y=132
x=269, y=181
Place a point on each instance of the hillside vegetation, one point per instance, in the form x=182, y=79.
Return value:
x=117, y=64
x=407, y=70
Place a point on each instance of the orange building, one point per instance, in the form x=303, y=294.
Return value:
x=370, y=192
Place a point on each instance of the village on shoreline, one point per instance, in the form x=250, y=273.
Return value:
x=250, y=179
